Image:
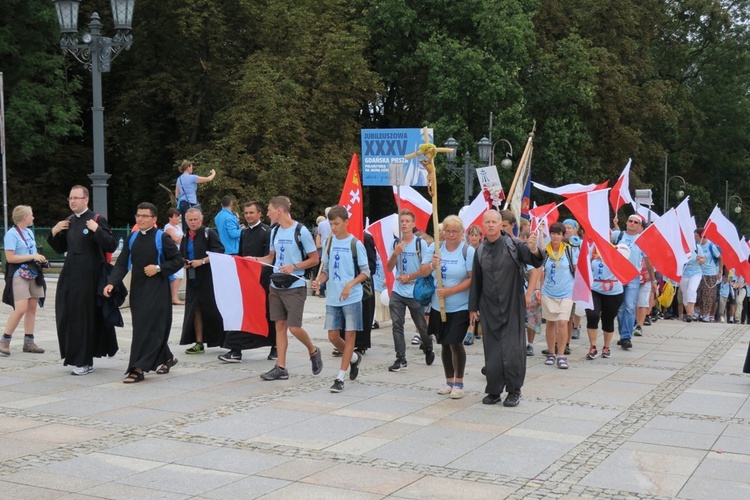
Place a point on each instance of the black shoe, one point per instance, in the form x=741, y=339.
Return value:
x=231, y=357
x=625, y=344
x=567, y=349
x=688, y=319
x=647, y=321
x=317, y=362
x=484, y=370
x=354, y=368
x=398, y=365
x=273, y=354
x=491, y=399
x=375, y=325
x=338, y=386
x=512, y=399
x=429, y=357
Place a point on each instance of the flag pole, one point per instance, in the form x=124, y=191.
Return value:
x=3, y=154
x=429, y=151
x=521, y=164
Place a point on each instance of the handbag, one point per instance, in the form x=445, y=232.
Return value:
x=424, y=288
x=281, y=280
x=367, y=289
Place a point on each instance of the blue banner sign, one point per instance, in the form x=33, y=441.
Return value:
x=383, y=147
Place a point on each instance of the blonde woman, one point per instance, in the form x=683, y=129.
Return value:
x=24, y=281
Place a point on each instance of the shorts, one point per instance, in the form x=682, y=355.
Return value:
x=348, y=317
x=179, y=274
x=453, y=330
x=287, y=305
x=644, y=295
x=556, y=309
x=24, y=289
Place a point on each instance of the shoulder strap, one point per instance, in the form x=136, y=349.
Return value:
x=418, y=244
x=569, y=254
x=353, y=250
x=478, y=253
x=464, y=250
x=132, y=238
x=298, y=239
x=619, y=237
x=514, y=253
x=20, y=233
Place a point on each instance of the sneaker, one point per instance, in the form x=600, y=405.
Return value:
x=546, y=351
x=273, y=354
x=625, y=343
x=512, y=400
x=196, y=349
x=593, y=353
x=477, y=337
x=231, y=357
x=576, y=333
x=317, y=362
x=429, y=357
x=550, y=360
x=5, y=348
x=606, y=352
x=457, y=393
x=529, y=350
x=33, y=348
x=445, y=389
x=416, y=340
x=562, y=363
x=398, y=365
x=275, y=373
x=82, y=370
x=567, y=350
x=375, y=325
x=469, y=339
x=338, y=385
x=712, y=320
x=638, y=331
x=647, y=321
x=354, y=368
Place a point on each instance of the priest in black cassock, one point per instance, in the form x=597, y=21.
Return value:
x=81, y=330
x=150, y=294
x=254, y=242
x=497, y=292
x=202, y=324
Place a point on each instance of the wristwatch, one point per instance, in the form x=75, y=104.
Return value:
x=294, y=266
x=158, y=268
x=203, y=262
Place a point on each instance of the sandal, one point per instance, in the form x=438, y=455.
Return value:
x=133, y=377
x=166, y=366
x=336, y=353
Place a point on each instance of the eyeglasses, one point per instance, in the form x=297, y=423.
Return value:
x=71, y=198
x=144, y=216
x=635, y=221
x=452, y=231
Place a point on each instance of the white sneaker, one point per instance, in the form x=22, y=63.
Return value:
x=82, y=370
x=417, y=340
x=457, y=393
x=445, y=390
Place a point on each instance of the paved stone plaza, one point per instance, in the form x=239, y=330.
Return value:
x=670, y=418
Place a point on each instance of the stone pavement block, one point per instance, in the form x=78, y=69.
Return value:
x=101, y=467
x=640, y=375
x=675, y=438
x=318, y=432
x=181, y=479
x=18, y=491
x=559, y=425
x=136, y=416
x=13, y=424
x=60, y=482
x=18, y=447
x=707, y=403
x=249, y=488
x=25, y=401
x=636, y=480
x=297, y=469
x=612, y=393
x=78, y=408
x=359, y=478
x=316, y=492
x=231, y=460
x=178, y=404
x=249, y=423
x=700, y=488
x=58, y=434
x=160, y=450
x=580, y=413
x=358, y=445
x=382, y=408
x=438, y=488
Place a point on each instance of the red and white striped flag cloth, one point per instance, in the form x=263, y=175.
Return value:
x=723, y=234
x=240, y=297
x=472, y=214
x=592, y=212
x=687, y=225
x=384, y=232
x=645, y=213
x=570, y=190
x=620, y=193
x=545, y=213
x=351, y=199
x=412, y=200
x=584, y=277
x=662, y=244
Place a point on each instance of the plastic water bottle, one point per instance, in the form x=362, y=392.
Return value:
x=119, y=245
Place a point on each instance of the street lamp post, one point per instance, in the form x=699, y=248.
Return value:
x=96, y=53
x=486, y=152
x=727, y=199
x=680, y=192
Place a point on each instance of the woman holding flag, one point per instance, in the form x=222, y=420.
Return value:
x=607, y=296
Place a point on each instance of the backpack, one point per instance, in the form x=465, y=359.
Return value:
x=366, y=284
x=569, y=255
x=297, y=238
x=107, y=255
x=424, y=287
x=159, y=249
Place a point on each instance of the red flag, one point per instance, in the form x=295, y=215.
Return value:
x=384, y=232
x=239, y=295
x=592, y=212
x=351, y=199
x=569, y=190
x=620, y=193
x=723, y=234
x=413, y=201
x=583, y=279
x=662, y=244
x=546, y=213
x=472, y=215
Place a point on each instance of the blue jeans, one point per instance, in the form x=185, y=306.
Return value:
x=398, y=306
x=626, y=314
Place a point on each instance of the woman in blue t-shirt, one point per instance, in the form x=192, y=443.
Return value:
x=557, y=294
x=24, y=282
x=607, y=295
x=454, y=266
x=186, y=189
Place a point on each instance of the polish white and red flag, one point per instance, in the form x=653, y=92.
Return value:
x=570, y=190
x=620, y=193
x=687, y=225
x=591, y=210
x=239, y=295
x=351, y=199
x=544, y=213
x=385, y=232
x=723, y=234
x=662, y=244
x=645, y=213
x=472, y=215
x=584, y=277
x=412, y=200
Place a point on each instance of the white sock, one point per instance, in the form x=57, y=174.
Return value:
x=342, y=375
x=354, y=357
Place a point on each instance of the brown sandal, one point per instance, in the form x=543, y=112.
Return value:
x=166, y=366
x=133, y=377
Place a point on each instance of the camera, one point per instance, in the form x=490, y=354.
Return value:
x=43, y=265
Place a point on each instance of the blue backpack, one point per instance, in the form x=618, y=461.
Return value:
x=159, y=249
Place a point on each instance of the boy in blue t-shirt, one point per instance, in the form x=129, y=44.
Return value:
x=344, y=292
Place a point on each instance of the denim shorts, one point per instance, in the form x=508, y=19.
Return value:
x=348, y=317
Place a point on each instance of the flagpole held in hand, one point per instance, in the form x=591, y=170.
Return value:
x=521, y=164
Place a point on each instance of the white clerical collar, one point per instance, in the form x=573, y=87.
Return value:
x=254, y=225
x=84, y=211
x=146, y=231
